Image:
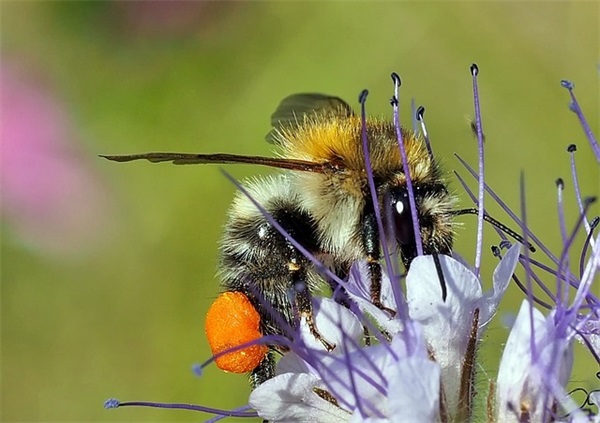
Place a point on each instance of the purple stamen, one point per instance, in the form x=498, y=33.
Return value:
x=507, y=209
x=111, y=403
x=496, y=251
x=354, y=273
x=373, y=190
x=577, y=110
x=572, y=149
x=481, y=191
x=219, y=418
x=312, y=357
x=353, y=388
x=587, y=243
x=420, y=115
x=563, y=262
x=409, y=186
x=587, y=279
x=523, y=259
x=534, y=298
x=198, y=370
x=265, y=340
x=114, y=403
x=560, y=186
x=527, y=267
x=511, y=214
x=538, y=281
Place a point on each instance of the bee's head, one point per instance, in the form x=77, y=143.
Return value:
x=433, y=210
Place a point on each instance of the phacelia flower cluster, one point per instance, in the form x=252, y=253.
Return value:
x=414, y=357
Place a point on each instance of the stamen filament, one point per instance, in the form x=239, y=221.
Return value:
x=409, y=185
x=577, y=110
x=421, y=118
x=112, y=403
x=373, y=191
x=481, y=190
x=572, y=149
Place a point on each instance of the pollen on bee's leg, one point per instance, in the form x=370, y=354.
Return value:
x=232, y=321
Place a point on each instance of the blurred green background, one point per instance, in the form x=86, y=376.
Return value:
x=105, y=282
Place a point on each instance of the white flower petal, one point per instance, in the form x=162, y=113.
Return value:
x=291, y=398
x=358, y=289
x=291, y=363
x=414, y=391
x=502, y=276
x=357, y=418
x=525, y=379
x=463, y=261
x=356, y=375
x=338, y=326
x=446, y=324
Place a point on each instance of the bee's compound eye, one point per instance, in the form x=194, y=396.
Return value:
x=403, y=224
x=400, y=207
x=231, y=321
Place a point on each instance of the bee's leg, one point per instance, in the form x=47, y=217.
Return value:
x=371, y=245
x=264, y=371
x=303, y=298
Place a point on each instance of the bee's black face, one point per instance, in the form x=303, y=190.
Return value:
x=400, y=217
x=401, y=223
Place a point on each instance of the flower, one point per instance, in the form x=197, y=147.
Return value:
x=414, y=356
x=364, y=376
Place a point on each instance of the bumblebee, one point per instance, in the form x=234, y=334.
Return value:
x=322, y=200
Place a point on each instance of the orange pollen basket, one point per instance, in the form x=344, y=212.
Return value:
x=232, y=321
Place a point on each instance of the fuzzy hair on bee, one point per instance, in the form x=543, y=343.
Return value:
x=336, y=200
x=321, y=198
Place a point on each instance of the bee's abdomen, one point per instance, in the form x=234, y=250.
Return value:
x=258, y=260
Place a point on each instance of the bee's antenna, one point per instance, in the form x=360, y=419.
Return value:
x=420, y=117
x=498, y=225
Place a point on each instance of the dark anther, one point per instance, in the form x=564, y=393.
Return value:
x=362, y=97
x=420, y=113
x=560, y=183
x=505, y=244
x=572, y=148
x=394, y=101
x=594, y=222
x=474, y=69
x=567, y=84
x=496, y=251
x=396, y=79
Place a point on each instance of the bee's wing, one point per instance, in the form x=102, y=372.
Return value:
x=292, y=108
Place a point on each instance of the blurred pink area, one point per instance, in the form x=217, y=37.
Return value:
x=52, y=199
